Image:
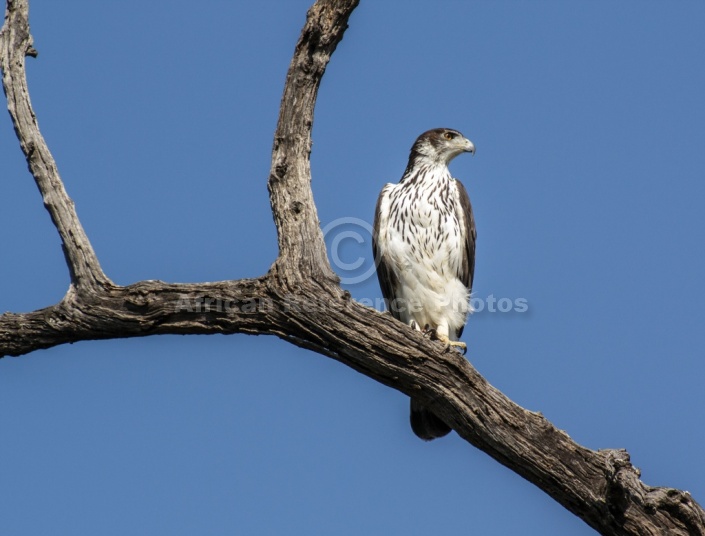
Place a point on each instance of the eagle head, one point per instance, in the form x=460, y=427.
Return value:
x=440, y=145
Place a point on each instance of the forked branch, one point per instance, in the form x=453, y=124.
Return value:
x=300, y=301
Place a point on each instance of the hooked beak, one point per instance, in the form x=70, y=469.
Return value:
x=469, y=147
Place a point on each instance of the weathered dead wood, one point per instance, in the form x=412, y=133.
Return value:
x=300, y=301
x=302, y=252
x=15, y=44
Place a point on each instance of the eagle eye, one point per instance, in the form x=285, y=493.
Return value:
x=448, y=135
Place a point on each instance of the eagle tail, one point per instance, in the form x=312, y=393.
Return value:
x=425, y=423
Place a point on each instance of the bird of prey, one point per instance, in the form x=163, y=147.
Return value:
x=424, y=246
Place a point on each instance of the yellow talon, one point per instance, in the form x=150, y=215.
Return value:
x=449, y=344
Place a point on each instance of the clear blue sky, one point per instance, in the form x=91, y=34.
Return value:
x=588, y=186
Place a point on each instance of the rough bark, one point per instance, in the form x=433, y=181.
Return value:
x=300, y=301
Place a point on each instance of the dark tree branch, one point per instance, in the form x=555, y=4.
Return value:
x=300, y=301
x=301, y=248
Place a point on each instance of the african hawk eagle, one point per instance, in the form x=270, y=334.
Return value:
x=424, y=247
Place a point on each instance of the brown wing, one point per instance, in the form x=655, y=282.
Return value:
x=387, y=280
x=467, y=264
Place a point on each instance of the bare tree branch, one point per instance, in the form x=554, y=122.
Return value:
x=301, y=247
x=15, y=44
x=300, y=301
